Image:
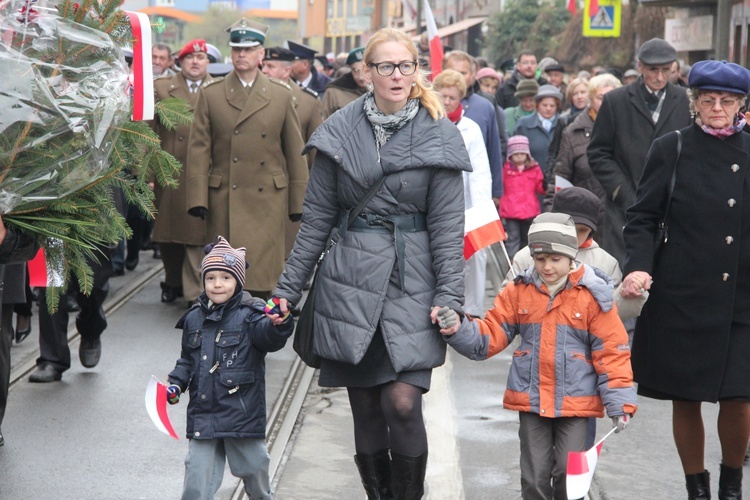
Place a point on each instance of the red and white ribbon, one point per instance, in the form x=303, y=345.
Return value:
x=143, y=74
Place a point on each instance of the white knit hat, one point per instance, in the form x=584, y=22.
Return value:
x=553, y=233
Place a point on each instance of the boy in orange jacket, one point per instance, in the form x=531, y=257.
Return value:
x=573, y=360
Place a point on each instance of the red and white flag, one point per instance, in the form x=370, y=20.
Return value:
x=482, y=227
x=580, y=471
x=156, y=406
x=436, y=46
x=43, y=273
x=143, y=73
x=593, y=7
x=572, y=6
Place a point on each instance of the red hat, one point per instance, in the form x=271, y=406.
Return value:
x=192, y=46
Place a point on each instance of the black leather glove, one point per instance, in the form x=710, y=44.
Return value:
x=295, y=217
x=198, y=212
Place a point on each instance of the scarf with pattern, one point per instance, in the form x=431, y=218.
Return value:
x=383, y=125
x=723, y=133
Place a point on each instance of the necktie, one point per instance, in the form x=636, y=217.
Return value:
x=193, y=87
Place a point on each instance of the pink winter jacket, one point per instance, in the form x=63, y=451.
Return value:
x=520, y=189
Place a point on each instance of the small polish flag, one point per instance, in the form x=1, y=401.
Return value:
x=572, y=6
x=593, y=7
x=580, y=470
x=562, y=183
x=143, y=79
x=156, y=406
x=436, y=47
x=482, y=227
x=42, y=272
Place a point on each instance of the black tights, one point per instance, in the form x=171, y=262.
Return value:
x=388, y=416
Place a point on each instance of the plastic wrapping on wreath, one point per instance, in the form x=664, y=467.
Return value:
x=63, y=88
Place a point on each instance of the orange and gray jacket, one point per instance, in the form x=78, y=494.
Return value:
x=574, y=357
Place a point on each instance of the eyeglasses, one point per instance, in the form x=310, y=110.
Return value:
x=726, y=102
x=387, y=68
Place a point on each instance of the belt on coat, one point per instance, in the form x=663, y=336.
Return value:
x=396, y=225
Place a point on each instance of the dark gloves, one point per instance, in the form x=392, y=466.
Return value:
x=198, y=212
x=295, y=217
x=173, y=394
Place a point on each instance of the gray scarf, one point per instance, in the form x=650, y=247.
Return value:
x=383, y=125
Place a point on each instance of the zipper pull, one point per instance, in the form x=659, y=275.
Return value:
x=236, y=388
x=218, y=336
x=213, y=368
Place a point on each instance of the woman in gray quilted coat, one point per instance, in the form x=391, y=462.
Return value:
x=377, y=287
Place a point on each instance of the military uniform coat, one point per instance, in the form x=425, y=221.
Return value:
x=341, y=92
x=692, y=339
x=245, y=165
x=173, y=224
x=622, y=134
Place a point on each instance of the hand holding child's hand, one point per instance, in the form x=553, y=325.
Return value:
x=446, y=318
x=635, y=284
x=274, y=310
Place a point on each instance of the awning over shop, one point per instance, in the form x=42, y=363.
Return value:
x=458, y=27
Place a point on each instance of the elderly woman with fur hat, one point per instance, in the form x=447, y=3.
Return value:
x=692, y=340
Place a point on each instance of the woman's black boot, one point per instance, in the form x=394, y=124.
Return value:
x=698, y=486
x=408, y=476
x=730, y=483
x=375, y=471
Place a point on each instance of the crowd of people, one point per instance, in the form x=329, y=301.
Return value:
x=279, y=154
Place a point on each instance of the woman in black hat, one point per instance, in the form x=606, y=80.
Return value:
x=692, y=340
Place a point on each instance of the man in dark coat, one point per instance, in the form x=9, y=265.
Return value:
x=629, y=120
x=525, y=70
x=303, y=70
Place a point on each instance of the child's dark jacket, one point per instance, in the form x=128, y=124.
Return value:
x=228, y=401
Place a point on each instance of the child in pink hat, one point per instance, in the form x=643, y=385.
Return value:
x=523, y=180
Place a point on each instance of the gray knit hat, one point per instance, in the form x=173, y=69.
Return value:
x=222, y=257
x=553, y=233
x=526, y=88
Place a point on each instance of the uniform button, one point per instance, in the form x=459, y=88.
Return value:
x=260, y=190
x=729, y=240
x=180, y=138
x=262, y=162
x=725, y=276
x=735, y=167
x=234, y=186
x=235, y=159
x=263, y=135
x=236, y=132
x=731, y=202
x=205, y=357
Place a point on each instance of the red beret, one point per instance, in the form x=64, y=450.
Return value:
x=192, y=46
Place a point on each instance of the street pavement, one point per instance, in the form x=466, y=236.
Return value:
x=88, y=436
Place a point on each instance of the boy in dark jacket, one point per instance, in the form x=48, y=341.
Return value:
x=226, y=336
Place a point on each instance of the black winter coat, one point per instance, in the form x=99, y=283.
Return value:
x=228, y=401
x=622, y=134
x=692, y=339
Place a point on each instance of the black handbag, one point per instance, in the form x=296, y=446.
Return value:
x=304, y=331
x=662, y=231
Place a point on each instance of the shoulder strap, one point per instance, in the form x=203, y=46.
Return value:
x=672, y=181
x=364, y=201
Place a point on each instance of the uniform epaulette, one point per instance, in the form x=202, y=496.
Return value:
x=310, y=91
x=216, y=79
x=283, y=84
x=163, y=77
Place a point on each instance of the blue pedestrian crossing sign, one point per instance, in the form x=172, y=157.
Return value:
x=602, y=18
